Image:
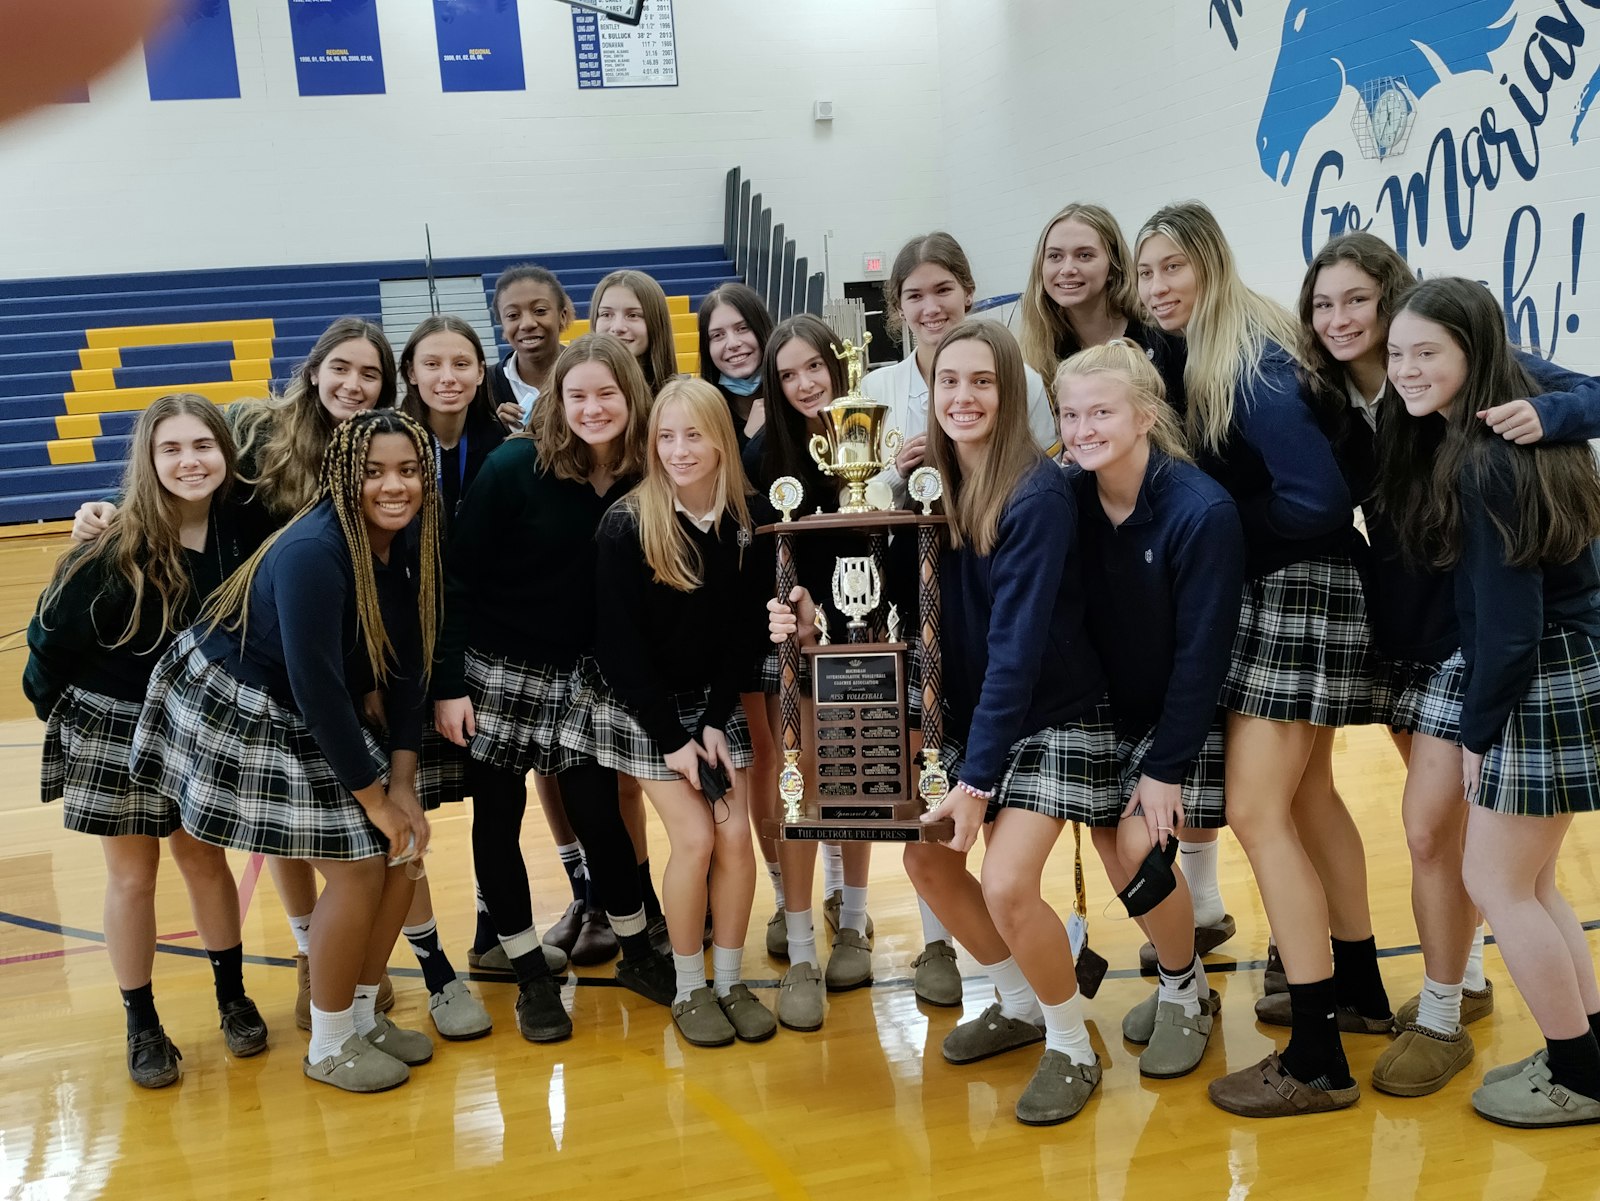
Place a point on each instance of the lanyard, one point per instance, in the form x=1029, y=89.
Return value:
x=461, y=472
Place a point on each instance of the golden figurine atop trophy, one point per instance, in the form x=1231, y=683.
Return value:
x=854, y=445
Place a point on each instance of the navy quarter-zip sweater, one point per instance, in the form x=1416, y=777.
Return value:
x=1016, y=657
x=1163, y=594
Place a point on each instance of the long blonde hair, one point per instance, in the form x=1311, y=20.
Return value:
x=660, y=361
x=674, y=559
x=1046, y=334
x=286, y=437
x=560, y=448
x=142, y=544
x=343, y=475
x=1147, y=392
x=1231, y=324
x=974, y=505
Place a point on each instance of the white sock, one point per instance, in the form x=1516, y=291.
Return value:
x=832, y=868
x=1474, y=977
x=329, y=1032
x=1198, y=861
x=1202, y=987
x=691, y=974
x=1181, y=989
x=1017, y=998
x=1439, y=1006
x=1064, y=1030
x=300, y=928
x=520, y=944
x=727, y=964
x=775, y=874
x=633, y=923
x=802, y=937
x=853, y=913
x=365, y=1008
x=933, y=930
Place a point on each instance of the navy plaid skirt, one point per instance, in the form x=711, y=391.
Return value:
x=597, y=726
x=1068, y=772
x=1545, y=763
x=1303, y=650
x=517, y=708
x=88, y=743
x=245, y=772
x=1422, y=698
x=1204, y=807
x=441, y=770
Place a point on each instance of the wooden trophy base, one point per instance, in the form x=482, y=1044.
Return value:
x=818, y=829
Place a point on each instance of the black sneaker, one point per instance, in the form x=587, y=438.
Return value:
x=152, y=1059
x=243, y=1028
x=652, y=977
x=540, y=1015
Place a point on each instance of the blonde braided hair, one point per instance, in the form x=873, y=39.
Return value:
x=343, y=474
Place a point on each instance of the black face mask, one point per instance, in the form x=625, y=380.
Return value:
x=1154, y=881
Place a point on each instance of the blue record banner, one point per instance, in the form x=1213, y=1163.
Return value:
x=192, y=56
x=480, y=45
x=337, y=51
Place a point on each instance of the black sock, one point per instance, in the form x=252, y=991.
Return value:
x=227, y=974
x=483, y=938
x=577, y=872
x=141, y=1006
x=1594, y=1024
x=1575, y=1064
x=530, y=967
x=1315, y=1055
x=1181, y=978
x=652, y=903
x=436, y=968
x=1356, y=979
x=635, y=946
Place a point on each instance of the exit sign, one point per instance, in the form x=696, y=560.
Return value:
x=872, y=264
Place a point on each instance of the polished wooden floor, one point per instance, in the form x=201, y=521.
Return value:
x=865, y=1108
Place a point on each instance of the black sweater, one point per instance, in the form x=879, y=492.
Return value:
x=70, y=644
x=1277, y=465
x=317, y=665
x=459, y=466
x=653, y=640
x=520, y=568
x=1163, y=604
x=1016, y=657
x=1504, y=610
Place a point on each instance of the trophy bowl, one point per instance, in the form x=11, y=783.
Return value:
x=854, y=446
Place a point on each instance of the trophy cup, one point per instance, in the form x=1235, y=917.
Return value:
x=854, y=445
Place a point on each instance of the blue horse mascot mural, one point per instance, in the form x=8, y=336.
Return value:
x=1329, y=44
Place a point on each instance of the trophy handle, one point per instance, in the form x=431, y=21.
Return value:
x=819, y=450
x=892, y=442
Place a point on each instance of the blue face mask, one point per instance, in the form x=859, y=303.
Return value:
x=742, y=387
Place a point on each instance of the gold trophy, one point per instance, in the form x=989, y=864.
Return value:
x=854, y=445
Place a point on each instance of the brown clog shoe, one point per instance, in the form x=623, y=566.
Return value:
x=1266, y=1090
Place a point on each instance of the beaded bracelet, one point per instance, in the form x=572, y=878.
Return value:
x=977, y=792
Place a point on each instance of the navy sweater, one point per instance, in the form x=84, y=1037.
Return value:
x=315, y=663
x=1277, y=465
x=459, y=466
x=1016, y=657
x=1163, y=604
x=520, y=568
x=1412, y=607
x=653, y=640
x=70, y=644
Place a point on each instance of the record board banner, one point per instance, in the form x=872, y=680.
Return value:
x=337, y=51
x=192, y=56
x=480, y=45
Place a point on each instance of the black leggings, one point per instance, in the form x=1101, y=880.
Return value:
x=589, y=794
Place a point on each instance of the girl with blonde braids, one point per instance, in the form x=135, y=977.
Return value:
x=254, y=724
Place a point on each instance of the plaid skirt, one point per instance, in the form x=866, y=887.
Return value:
x=1068, y=772
x=1303, y=650
x=1203, y=803
x=245, y=772
x=441, y=770
x=517, y=708
x=597, y=726
x=1422, y=698
x=767, y=674
x=88, y=743
x=1545, y=763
